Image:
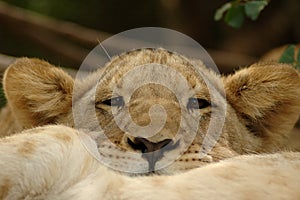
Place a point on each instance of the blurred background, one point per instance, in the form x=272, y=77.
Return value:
x=64, y=31
x=45, y=32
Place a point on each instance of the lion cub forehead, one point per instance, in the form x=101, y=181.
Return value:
x=154, y=59
x=138, y=67
x=141, y=57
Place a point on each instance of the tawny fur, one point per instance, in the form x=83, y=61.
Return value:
x=57, y=166
x=262, y=108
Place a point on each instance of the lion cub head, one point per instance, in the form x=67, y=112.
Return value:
x=152, y=110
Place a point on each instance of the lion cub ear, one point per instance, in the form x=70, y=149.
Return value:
x=37, y=92
x=266, y=96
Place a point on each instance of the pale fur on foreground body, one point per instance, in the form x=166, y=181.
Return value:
x=50, y=162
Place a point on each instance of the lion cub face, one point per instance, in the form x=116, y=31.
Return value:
x=155, y=111
x=154, y=107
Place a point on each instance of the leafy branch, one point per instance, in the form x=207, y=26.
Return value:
x=235, y=11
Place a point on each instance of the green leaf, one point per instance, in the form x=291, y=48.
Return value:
x=220, y=12
x=253, y=8
x=297, y=66
x=298, y=55
x=288, y=55
x=235, y=16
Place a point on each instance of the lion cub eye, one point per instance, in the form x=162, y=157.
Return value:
x=196, y=103
x=116, y=102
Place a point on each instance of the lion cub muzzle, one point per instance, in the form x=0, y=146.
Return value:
x=152, y=151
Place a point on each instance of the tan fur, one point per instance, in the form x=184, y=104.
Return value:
x=58, y=170
x=274, y=56
x=37, y=92
x=262, y=108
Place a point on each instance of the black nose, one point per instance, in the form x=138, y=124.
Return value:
x=146, y=146
x=152, y=151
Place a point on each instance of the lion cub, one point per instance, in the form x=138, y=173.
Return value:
x=148, y=111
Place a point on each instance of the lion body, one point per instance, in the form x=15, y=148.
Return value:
x=259, y=106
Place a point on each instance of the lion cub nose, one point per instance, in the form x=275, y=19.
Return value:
x=147, y=146
x=152, y=151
